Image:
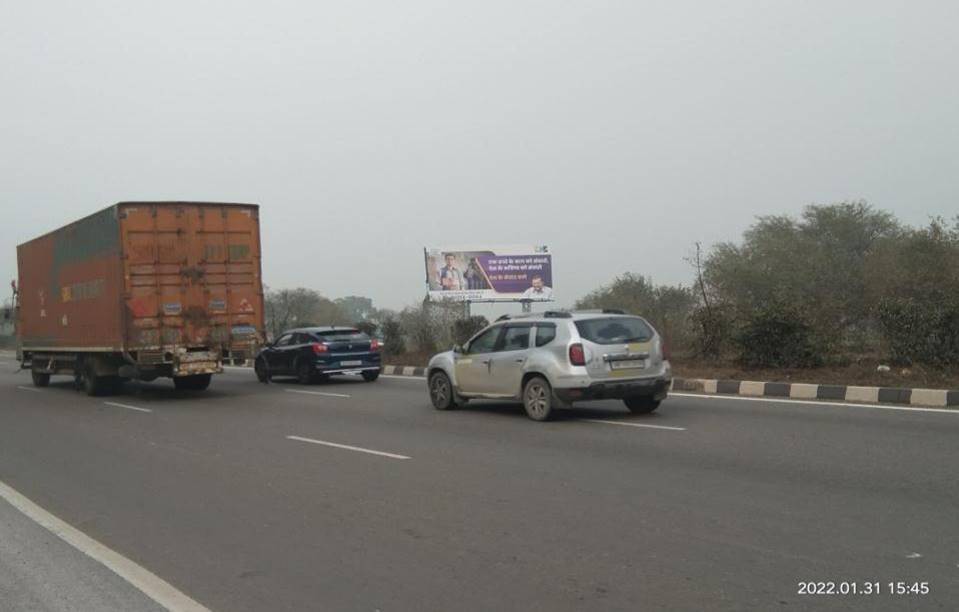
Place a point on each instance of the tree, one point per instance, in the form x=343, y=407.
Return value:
x=667, y=307
x=356, y=308
x=300, y=307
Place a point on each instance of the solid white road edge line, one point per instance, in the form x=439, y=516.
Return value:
x=141, y=578
x=628, y=424
x=127, y=406
x=814, y=402
x=28, y=388
x=316, y=393
x=348, y=447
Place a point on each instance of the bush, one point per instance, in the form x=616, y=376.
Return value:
x=393, y=337
x=777, y=336
x=464, y=329
x=920, y=332
x=367, y=327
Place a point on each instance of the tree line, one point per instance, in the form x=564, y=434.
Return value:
x=836, y=284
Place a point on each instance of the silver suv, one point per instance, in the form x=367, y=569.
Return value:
x=550, y=360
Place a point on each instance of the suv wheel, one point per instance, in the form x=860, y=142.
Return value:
x=441, y=391
x=371, y=375
x=641, y=404
x=538, y=399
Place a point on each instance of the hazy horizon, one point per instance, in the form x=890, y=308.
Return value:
x=618, y=134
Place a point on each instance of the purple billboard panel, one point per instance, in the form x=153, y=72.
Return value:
x=505, y=273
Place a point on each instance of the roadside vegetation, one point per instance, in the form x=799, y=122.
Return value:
x=831, y=294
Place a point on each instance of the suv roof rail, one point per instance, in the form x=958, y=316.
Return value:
x=504, y=317
x=619, y=311
x=557, y=314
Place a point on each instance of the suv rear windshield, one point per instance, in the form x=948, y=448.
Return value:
x=342, y=335
x=614, y=330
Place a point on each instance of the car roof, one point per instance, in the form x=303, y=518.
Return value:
x=322, y=328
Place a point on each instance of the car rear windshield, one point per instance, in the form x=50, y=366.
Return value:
x=342, y=335
x=614, y=330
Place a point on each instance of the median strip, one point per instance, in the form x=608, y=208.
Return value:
x=322, y=393
x=347, y=447
x=935, y=398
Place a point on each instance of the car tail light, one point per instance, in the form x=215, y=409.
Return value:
x=374, y=345
x=577, y=356
x=319, y=347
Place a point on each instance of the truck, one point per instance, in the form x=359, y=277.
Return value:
x=139, y=291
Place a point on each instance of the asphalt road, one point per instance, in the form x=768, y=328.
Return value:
x=710, y=504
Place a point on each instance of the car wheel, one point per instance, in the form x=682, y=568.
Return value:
x=40, y=379
x=538, y=399
x=304, y=372
x=441, y=391
x=371, y=376
x=641, y=404
x=195, y=382
x=262, y=370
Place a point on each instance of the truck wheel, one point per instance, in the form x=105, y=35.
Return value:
x=538, y=399
x=91, y=382
x=441, y=391
x=262, y=370
x=40, y=379
x=641, y=404
x=195, y=382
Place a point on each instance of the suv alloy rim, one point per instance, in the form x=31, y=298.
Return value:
x=537, y=401
x=440, y=390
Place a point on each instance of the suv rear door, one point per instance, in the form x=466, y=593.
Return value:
x=621, y=347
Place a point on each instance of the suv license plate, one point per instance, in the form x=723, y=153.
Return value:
x=627, y=364
x=346, y=364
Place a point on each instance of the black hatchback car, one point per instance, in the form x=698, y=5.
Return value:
x=315, y=353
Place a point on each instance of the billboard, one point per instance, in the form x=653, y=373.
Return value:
x=511, y=273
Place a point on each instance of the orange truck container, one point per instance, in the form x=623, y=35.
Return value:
x=142, y=290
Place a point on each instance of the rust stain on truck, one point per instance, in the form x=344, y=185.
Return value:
x=143, y=288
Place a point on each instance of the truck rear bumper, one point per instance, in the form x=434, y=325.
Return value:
x=197, y=362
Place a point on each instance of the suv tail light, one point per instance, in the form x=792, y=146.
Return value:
x=665, y=348
x=319, y=348
x=577, y=356
x=374, y=345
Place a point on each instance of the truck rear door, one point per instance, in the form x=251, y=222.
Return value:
x=192, y=275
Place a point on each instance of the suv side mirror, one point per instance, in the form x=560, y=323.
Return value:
x=457, y=349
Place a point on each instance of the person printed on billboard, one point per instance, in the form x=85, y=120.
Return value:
x=538, y=290
x=451, y=279
x=475, y=279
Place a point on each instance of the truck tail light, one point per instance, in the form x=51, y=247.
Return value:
x=374, y=345
x=577, y=356
x=319, y=348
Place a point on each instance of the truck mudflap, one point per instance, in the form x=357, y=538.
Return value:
x=197, y=362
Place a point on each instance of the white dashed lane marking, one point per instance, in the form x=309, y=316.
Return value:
x=357, y=449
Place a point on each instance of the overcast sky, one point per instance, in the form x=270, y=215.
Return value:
x=617, y=133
